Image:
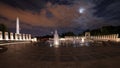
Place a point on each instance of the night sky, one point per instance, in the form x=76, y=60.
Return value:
x=41, y=17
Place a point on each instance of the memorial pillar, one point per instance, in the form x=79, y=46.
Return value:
x=1, y=35
x=16, y=36
x=23, y=36
x=27, y=37
x=6, y=36
x=11, y=36
x=20, y=37
x=30, y=37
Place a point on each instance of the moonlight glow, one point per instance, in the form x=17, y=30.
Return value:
x=81, y=10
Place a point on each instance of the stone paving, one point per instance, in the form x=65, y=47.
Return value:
x=106, y=55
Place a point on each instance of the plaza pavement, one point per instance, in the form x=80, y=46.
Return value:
x=105, y=55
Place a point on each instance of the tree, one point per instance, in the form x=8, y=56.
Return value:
x=68, y=34
x=3, y=28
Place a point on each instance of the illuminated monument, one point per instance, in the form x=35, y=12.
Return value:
x=17, y=26
x=56, y=39
x=10, y=36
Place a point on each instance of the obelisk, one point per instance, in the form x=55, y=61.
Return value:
x=17, y=26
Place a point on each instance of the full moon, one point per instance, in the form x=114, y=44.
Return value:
x=81, y=10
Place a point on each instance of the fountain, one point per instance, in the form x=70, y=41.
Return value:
x=76, y=42
x=83, y=40
x=56, y=39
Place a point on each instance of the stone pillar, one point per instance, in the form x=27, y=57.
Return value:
x=94, y=37
x=6, y=36
x=111, y=36
x=1, y=36
x=30, y=37
x=20, y=37
x=99, y=37
x=27, y=37
x=11, y=36
x=114, y=36
x=16, y=36
x=107, y=36
x=117, y=35
x=23, y=36
x=103, y=37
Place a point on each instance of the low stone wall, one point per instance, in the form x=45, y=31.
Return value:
x=112, y=37
x=15, y=37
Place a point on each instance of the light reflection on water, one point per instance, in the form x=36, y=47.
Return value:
x=87, y=44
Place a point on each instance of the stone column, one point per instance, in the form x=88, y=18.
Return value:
x=1, y=36
x=108, y=37
x=96, y=37
x=99, y=37
x=23, y=36
x=16, y=36
x=117, y=35
x=30, y=37
x=26, y=36
x=6, y=36
x=103, y=37
x=20, y=37
x=111, y=36
x=11, y=36
x=114, y=36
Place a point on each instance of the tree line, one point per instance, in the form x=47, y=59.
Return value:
x=105, y=30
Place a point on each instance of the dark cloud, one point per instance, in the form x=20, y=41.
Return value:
x=43, y=16
x=108, y=9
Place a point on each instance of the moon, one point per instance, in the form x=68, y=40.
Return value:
x=82, y=10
